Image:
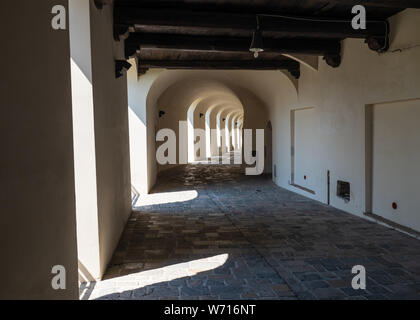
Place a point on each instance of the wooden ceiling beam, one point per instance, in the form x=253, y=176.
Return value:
x=256, y=64
x=220, y=23
x=268, y=3
x=138, y=41
x=220, y=64
x=379, y=3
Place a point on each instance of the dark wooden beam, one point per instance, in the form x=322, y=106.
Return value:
x=281, y=4
x=379, y=3
x=288, y=64
x=233, y=24
x=254, y=64
x=138, y=41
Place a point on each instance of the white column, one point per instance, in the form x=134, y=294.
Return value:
x=227, y=133
x=84, y=139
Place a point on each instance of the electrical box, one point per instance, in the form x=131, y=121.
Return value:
x=343, y=190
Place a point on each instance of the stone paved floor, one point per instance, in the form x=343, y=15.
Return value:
x=223, y=235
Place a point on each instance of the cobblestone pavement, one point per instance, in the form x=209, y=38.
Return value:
x=209, y=232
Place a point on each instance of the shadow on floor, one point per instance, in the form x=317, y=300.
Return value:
x=242, y=237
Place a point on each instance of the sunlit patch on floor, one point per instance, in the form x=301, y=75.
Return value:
x=138, y=280
x=165, y=197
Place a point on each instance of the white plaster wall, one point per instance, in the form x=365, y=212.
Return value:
x=111, y=133
x=38, y=218
x=396, y=159
x=101, y=148
x=216, y=124
x=137, y=102
x=339, y=96
x=84, y=141
x=305, y=142
x=199, y=123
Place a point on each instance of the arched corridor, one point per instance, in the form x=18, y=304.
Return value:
x=210, y=149
x=206, y=230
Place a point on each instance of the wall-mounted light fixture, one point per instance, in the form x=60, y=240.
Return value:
x=201, y=115
x=223, y=119
x=121, y=66
x=257, y=43
x=161, y=113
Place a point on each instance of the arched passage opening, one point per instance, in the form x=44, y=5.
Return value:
x=200, y=106
x=223, y=104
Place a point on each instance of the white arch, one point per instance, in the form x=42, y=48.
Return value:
x=175, y=90
x=206, y=106
x=223, y=128
x=191, y=133
x=229, y=131
x=240, y=127
x=222, y=132
x=212, y=119
x=235, y=140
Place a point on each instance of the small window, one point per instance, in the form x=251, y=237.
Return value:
x=343, y=190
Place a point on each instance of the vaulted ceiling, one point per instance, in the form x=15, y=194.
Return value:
x=216, y=34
